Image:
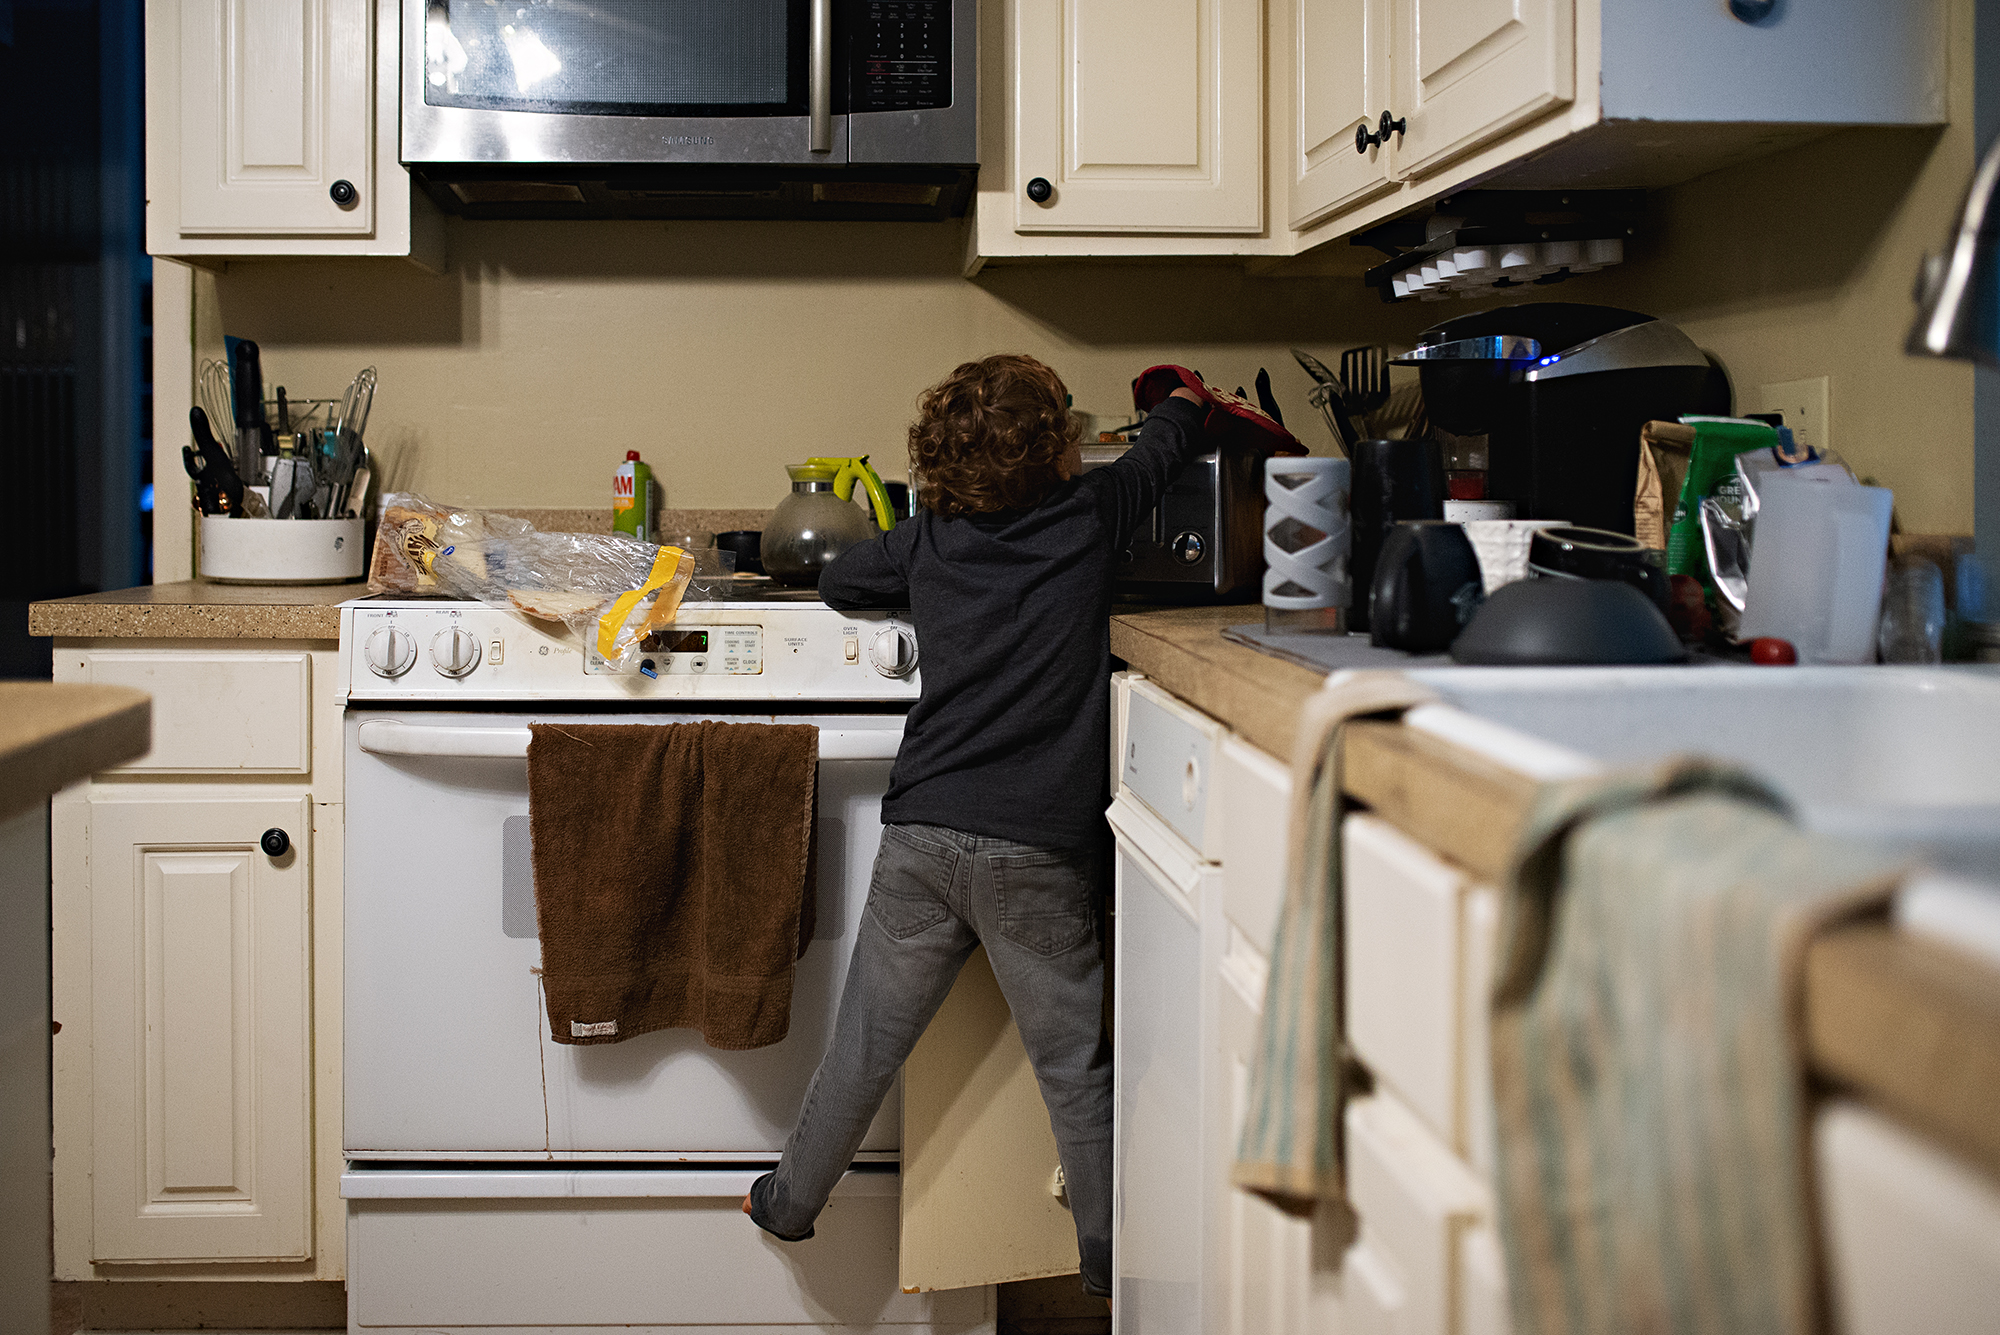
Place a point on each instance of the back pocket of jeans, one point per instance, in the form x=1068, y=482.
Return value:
x=906, y=894
x=1043, y=899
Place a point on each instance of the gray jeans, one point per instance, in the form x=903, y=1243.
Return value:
x=936, y=894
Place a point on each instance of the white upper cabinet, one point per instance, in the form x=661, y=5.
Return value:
x=271, y=130
x=1338, y=88
x=275, y=116
x=1139, y=116
x=1469, y=70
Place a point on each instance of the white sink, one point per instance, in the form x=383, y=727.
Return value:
x=1903, y=757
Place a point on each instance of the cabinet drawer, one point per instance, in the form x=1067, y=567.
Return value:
x=1419, y=941
x=1169, y=764
x=1254, y=793
x=237, y=713
x=1417, y=1203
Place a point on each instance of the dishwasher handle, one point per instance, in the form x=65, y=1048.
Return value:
x=387, y=737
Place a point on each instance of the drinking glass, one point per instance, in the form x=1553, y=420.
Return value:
x=1911, y=629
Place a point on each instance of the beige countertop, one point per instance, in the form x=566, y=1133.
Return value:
x=197, y=610
x=52, y=735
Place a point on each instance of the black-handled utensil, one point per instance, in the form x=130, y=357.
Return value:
x=1265, y=399
x=215, y=470
x=254, y=440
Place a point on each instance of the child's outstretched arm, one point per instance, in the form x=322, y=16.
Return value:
x=870, y=574
x=1167, y=444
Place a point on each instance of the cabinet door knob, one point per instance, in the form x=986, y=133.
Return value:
x=276, y=842
x=1388, y=127
x=1363, y=141
x=343, y=193
x=1040, y=190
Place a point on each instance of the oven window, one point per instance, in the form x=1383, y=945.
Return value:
x=618, y=57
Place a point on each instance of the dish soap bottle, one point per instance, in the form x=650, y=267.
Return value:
x=632, y=498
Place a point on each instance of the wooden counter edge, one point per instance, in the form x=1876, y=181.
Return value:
x=1914, y=1027
x=1464, y=806
x=93, y=729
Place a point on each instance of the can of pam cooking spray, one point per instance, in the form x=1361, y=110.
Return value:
x=632, y=498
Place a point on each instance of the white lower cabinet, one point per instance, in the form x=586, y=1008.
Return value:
x=194, y=973
x=1417, y=1202
x=1418, y=942
x=1260, y=1259
x=202, y=1025
x=1911, y=1234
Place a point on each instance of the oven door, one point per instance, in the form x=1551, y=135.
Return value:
x=766, y=82
x=447, y=1050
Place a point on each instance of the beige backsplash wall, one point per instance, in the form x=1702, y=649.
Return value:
x=723, y=351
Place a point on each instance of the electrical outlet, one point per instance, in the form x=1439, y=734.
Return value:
x=1804, y=404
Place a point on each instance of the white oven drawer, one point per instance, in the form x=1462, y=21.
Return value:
x=1169, y=764
x=623, y=1249
x=1418, y=952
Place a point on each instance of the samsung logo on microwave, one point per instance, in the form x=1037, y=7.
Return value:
x=687, y=140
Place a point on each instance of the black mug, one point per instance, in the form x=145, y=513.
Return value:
x=1426, y=587
x=1393, y=481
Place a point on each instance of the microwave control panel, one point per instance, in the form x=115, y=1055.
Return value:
x=901, y=55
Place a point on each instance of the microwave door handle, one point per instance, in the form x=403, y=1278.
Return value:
x=819, y=85
x=387, y=737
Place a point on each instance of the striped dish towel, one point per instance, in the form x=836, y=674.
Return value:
x=1648, y=1074
x=1289, y=1149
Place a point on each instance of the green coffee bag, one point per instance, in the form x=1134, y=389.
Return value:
x=1711, y=466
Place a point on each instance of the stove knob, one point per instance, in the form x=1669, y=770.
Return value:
x=1188, y=547
x=390, y=652
x=454, y=652
x=893, y=652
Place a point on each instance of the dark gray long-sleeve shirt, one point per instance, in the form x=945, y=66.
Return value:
x=1012, y=612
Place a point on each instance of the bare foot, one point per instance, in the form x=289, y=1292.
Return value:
x=746, y=1202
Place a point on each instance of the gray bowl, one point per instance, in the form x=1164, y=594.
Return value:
x=1567, y=622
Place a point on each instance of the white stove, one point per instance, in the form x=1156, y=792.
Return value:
x=497, y=1178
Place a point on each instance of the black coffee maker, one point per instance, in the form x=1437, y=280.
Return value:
x=1559, y=391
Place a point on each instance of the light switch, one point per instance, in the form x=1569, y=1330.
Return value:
x=493, y=652
x=850, y=648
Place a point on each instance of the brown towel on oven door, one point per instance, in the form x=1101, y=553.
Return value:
x=673, y=876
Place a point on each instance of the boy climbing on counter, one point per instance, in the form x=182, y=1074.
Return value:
x=994, y=821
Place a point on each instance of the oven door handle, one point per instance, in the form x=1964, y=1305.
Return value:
x=387, y=737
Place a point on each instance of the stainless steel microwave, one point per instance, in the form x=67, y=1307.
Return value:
x=692, y=108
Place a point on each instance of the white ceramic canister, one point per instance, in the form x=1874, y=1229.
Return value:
x=235, y=550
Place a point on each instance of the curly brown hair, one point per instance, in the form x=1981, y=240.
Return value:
x=991, y=436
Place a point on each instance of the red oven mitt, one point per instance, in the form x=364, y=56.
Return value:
x=1232, y=421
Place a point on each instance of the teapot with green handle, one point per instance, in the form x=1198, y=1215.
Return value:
x=819, y=520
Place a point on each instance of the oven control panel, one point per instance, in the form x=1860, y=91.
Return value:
x=735, y=651
x=432, y=650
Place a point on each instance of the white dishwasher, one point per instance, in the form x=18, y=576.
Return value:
x=1166, y=885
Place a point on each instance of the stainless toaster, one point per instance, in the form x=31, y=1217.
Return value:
x=1204, y=542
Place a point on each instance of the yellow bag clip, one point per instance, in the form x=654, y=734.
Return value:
x=666, y=569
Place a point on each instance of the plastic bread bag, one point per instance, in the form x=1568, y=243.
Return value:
x=608, y=588
x=1729, y=517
